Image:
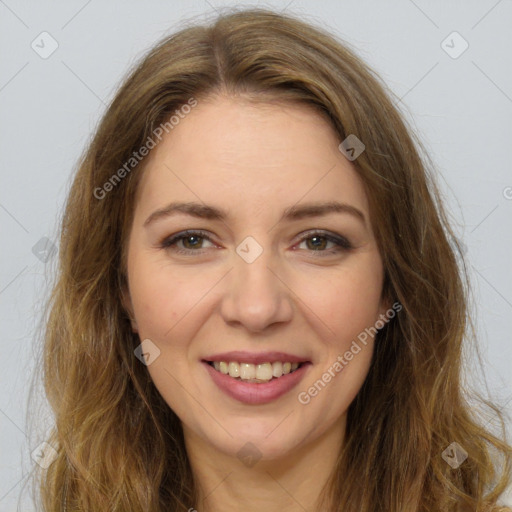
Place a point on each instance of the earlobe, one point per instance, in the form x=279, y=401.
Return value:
x=389, y=309
x=386, y=311
x=386, y=299
x=386, y=305
x=127, y=304
x=134, y=324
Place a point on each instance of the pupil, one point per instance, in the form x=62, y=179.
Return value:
x=192, y=237
x=316, y=244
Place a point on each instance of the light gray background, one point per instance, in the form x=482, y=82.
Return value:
x=462, y=107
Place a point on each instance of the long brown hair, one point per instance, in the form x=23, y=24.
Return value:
x=119, y=445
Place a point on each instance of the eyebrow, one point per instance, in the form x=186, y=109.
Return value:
x=295, y=212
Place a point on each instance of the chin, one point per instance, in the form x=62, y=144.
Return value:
x=266, y=440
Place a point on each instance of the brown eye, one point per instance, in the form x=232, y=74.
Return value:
x=191, y=242
x=318, y=242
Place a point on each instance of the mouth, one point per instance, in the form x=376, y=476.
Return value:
x=255, y=373
x=256, y=379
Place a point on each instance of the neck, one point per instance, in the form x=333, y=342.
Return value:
x=291, y=483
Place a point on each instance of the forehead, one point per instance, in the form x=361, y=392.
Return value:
x=270, y=153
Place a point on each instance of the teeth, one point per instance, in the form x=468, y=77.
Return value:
x=247, y=371
x=234, y=369
x=277, y=369
x=264, y=371
x=255, y=373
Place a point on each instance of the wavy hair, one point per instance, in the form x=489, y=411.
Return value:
x=119, y=446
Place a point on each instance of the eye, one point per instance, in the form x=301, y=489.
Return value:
x=317, y=242
x=191, y=241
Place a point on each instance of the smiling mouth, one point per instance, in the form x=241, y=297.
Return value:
x=255, y=373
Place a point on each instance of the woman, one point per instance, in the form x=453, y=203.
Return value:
x=257, y=302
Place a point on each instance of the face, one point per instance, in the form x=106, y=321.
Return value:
x=260, y=273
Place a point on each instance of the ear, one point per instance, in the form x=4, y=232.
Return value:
x=387, y=308
x=385, y=305
x=128, y=306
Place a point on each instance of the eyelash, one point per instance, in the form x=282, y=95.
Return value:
x=342, y=243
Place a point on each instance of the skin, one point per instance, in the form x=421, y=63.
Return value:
x=254, y=160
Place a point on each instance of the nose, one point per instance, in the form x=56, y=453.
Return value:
x=256, y=295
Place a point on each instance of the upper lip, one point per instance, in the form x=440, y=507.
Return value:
x=241, y=356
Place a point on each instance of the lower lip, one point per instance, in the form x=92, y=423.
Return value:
x=254, y=393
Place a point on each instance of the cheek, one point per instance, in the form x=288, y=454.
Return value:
x=346, y=302
x=349, y=304
x=162, y=296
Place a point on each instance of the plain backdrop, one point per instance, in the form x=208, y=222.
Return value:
x=449, y=62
